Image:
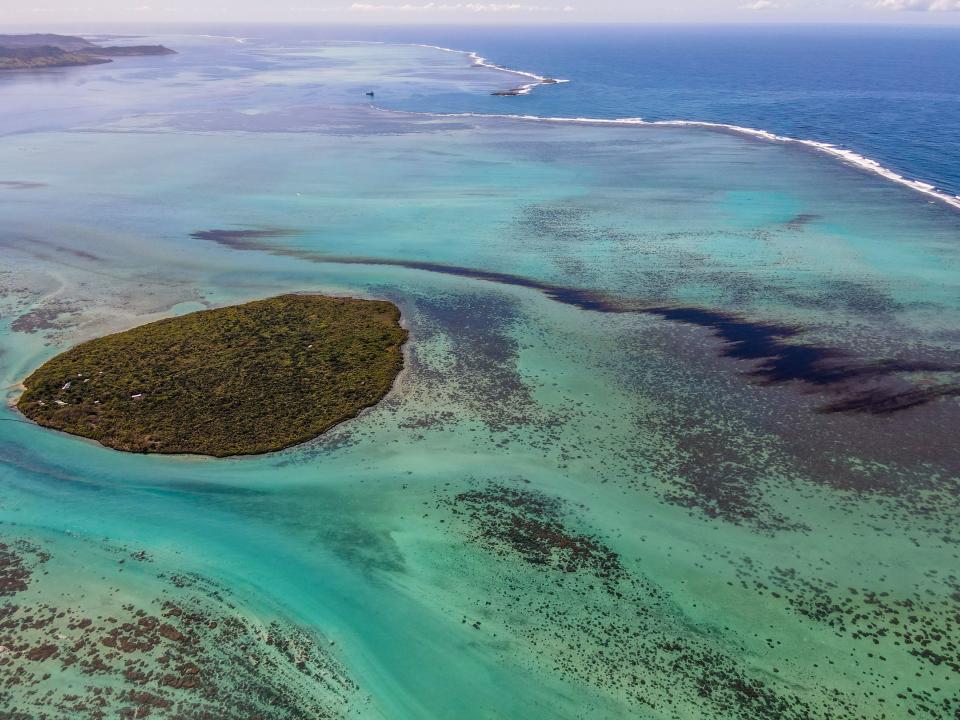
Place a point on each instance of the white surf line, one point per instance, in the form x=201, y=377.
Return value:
x=234, y=38
x=848, y=156
x=223, y=37
x=478, y=60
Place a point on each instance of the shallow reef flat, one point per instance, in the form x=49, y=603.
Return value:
x=674, y=438
x=81, y=638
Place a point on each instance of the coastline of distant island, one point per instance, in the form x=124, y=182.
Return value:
x=44, y=50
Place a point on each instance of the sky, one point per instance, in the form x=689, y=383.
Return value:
x=44, y=12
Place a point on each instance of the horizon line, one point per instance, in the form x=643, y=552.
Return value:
x=475, y=23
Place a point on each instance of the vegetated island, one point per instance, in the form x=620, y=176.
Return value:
x=238, y=380
x=43, y=50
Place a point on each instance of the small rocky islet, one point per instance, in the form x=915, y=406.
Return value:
x=238, y=380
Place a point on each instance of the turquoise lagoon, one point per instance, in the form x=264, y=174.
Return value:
x=675, y=438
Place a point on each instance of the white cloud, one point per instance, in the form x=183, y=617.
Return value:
x=458, y=7
x=761, y=5
x=919, y=5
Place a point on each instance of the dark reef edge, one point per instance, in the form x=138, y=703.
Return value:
x=779, y=356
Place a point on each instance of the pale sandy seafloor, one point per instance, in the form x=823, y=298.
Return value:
x=676, y=437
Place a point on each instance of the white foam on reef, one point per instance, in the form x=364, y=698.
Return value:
x=848, y=156
x=478, y=60
x=236, y=39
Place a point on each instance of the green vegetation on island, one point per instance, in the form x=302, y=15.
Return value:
x=42, y=57
x=238, y=380
x=42, y=50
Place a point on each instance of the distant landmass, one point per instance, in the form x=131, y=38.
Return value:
x=43, y=50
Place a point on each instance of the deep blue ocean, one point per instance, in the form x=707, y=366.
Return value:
x=889, y=93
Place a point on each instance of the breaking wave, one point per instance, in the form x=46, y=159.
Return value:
x=845, y=155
